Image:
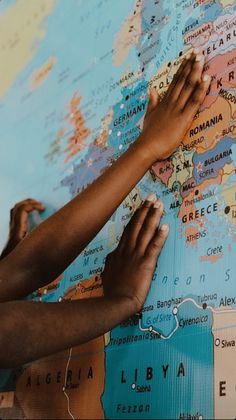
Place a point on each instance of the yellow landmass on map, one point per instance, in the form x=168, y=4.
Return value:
x=183, y=167
x=229, y=196
x=226, y=3
x=21, y=31
x=228, y=170
x=41, y=74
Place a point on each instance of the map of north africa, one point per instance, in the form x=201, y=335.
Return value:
x=73, y=93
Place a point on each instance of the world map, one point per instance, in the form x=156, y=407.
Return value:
x=74, y=80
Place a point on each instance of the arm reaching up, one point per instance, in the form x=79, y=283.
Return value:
x=33, y=333
x=52, y=246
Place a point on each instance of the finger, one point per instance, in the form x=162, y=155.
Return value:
x=33, y=206
x=178, y=74
x=156, y=244
x=29, y=206
x=131, y=231
x=197, y=98
x=149, y=227
x=23, y=226
x=193, y=79
x=181, y=79
x=26, y=202
x=153, y=100
x=19, y=226
x=19, y=220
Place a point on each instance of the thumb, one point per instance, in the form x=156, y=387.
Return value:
x=153, y=99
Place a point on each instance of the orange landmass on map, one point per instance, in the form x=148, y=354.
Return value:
x=77, y=141
x=216, y=118
x=192, y=230
x=101, y=139
x=222, y=71
x=211, y=258
x=187, y=208
x=50, y=287
x=71, y=381
x=40, y=75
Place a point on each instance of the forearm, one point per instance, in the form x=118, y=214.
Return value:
x=53, y=245
x=29, y=330
x=10, y=245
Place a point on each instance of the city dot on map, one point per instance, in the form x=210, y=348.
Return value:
x=133, y=386
x=196, y=192
x=175, y=311
x=127, y=97
x=227, y=209
x=217, y=342
x=150, y=328
x=204, y=306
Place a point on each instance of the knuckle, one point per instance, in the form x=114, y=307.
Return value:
x=191, y=82
x=182, y=78
x=195, y=99
x=145, y=229
x=156, y=245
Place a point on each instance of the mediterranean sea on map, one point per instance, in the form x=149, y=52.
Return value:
x=73, y=93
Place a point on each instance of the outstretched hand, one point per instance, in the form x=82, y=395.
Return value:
x=129, y=269
x=19, y=226
x=166, y=122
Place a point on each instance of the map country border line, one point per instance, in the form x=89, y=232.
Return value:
x=175, y=312
x=64, y=386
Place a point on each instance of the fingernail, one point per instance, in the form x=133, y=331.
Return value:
x=157, y=204
x=151, y=197
x=188, y=56
x=165, y=228
x=199, y=57
x=196, y=50
x=206, y=78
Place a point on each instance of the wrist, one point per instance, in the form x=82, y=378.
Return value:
x=145, y=152
x=125, y=305
x=149, y=151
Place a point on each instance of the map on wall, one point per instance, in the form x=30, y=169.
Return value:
x=74, y=77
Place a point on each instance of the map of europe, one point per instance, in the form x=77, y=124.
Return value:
x=74, y=80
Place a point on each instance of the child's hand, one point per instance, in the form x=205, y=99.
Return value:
x=19, y=218
x=19, y=223
x=129, y=269
x=167, y=122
